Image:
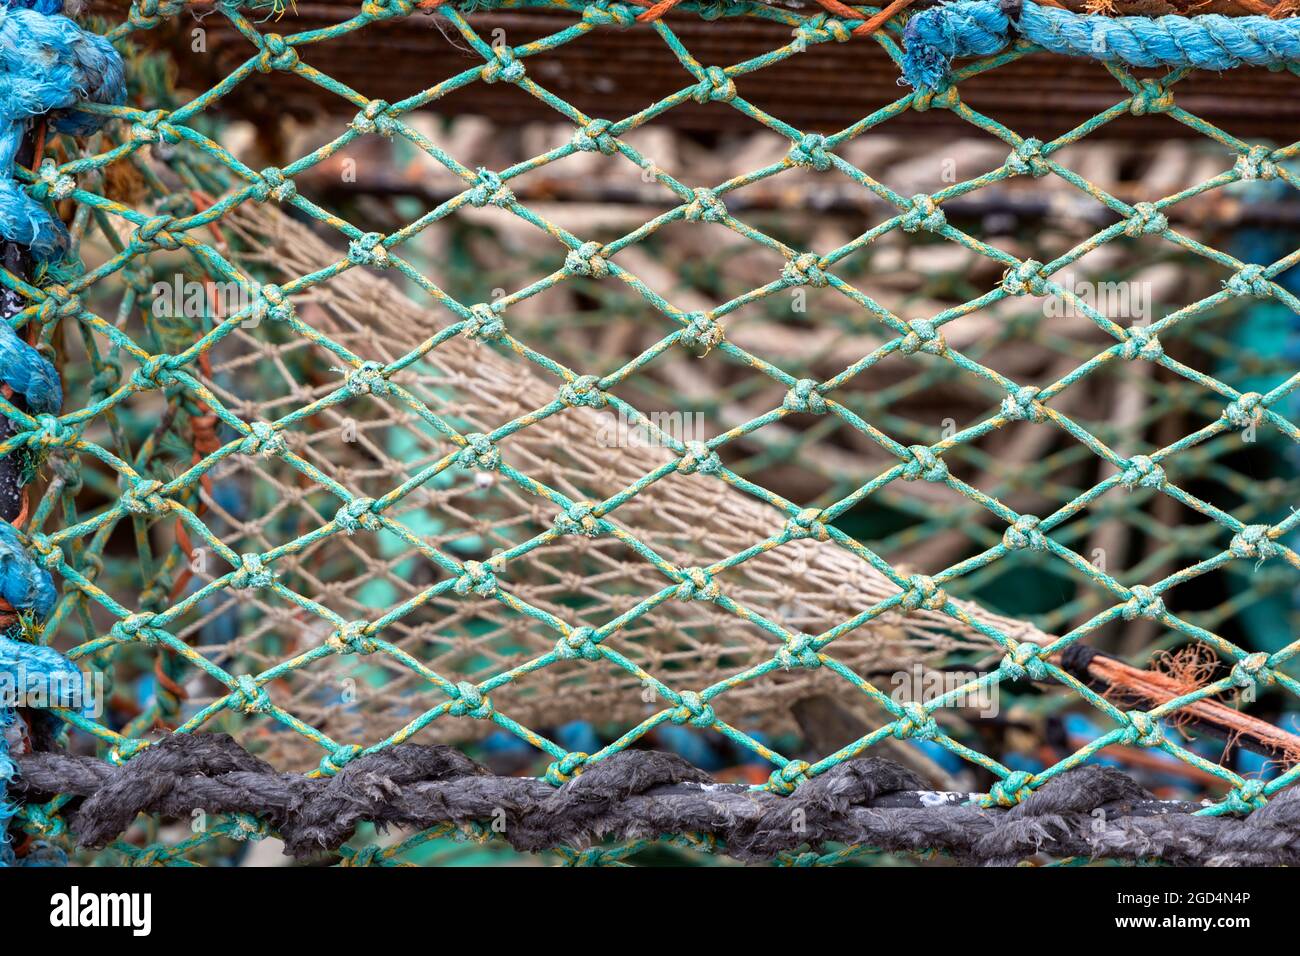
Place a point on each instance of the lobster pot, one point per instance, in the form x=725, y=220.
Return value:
x=551, y=384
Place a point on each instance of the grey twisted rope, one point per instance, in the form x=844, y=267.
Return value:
x=645, y=794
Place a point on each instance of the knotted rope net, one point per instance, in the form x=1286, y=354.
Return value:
x=341, y=449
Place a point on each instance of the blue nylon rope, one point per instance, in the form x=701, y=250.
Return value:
x=934, y=37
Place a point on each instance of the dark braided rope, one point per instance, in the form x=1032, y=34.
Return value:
x=645, y=794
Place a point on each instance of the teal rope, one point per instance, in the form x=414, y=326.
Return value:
x=983, y=27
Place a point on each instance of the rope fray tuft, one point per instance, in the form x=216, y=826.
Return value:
x=645, y=794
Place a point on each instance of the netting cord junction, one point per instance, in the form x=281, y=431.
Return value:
x=934, y=37
x=1091, y=812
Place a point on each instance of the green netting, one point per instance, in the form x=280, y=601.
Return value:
x=468, y=559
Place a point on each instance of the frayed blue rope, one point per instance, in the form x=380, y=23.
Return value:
x=27, y=372
x=26, y=668
x=933, y=38
x=47, y=64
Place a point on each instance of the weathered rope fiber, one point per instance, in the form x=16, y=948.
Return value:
x=640, y=794
x=985, y=27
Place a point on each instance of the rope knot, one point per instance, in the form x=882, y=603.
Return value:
x=272, y=304
x=786, y=779
x=821, y=27
x=375, y=118
x=1246, y=798
x=249, y=696
x=1023, y=405
x=264, y=440
x=922, y=336
x=922, y=592
x=1140, y=470
x=252, y=574
x=154, y=128
x=1256, y=163
x=578, y=519
x=489, y=190
x=1025, y=659
x=581, y=642
x=503, y=67
x=1141, y=344
x=807, y=524
x=134, y=627
x=1253, y=672
x=351, y=638
x=484, y=324
x=810, y=151
x=595, y=137
x=1024, y=279
x=714, y=87
x=357, y=514
x=1247, y=410
x=51, y=433
x=154, y=372
x=1151, y=98
x=691, y=709
x=698, y=586
x=272, y=183
x=604, y=13
x=924, y=464
x=699, y=459
x=470, y=702
x=156, y=234
x=58, y=303
x=805, y=270
x=705, y=206
x=478, y=578
x=566, y=768
x=49, y=555
x=368, y=250
x=1253, y=541
x=1146, y=220
x=277, y=54
x=367, y=379
x=52, y=184
x=1143, y=730
x=805, y=397
x=1024, y=534
x=1143, y=603
x=479, y=453
x=1027, y=158
x=1250, y=281
x=925, y=214
x=799, y=651
x=1010, y=790
x=915, y=722
x=702, y=333
x=142, y=498
x=586, y=261
x=583, y=391
x=338, y=758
